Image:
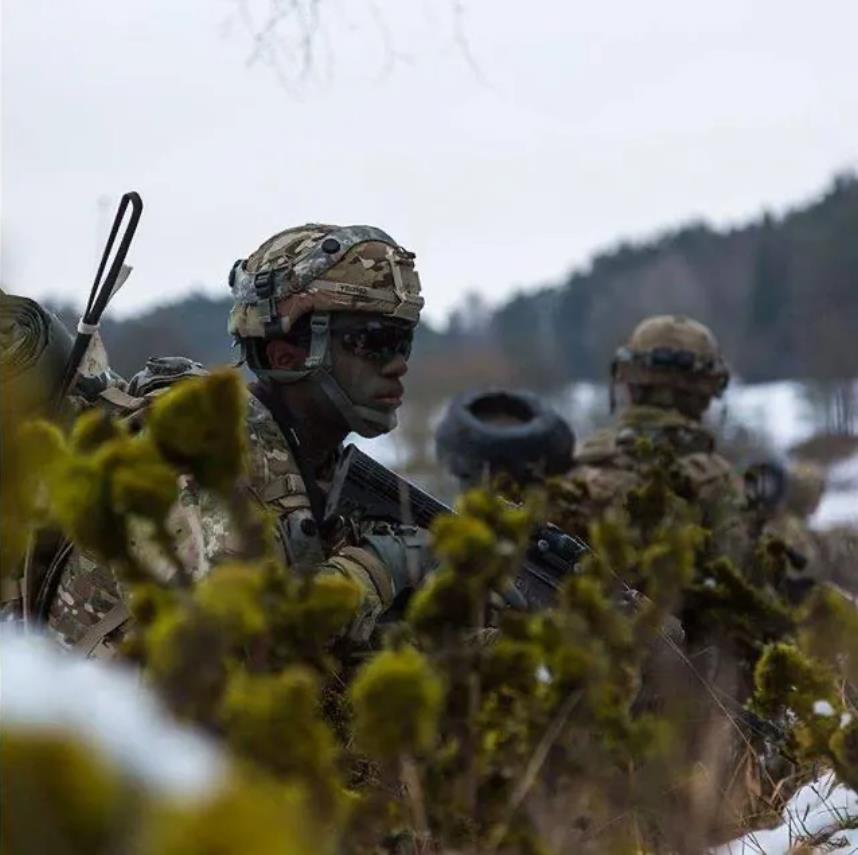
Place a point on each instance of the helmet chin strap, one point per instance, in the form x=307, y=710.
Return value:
x=365, y=421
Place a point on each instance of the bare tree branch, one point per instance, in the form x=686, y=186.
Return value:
x=290, y=38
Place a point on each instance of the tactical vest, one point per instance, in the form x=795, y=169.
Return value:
x=606, y=462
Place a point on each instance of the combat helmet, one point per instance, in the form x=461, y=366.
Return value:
x=674, y=351
x=317, y=270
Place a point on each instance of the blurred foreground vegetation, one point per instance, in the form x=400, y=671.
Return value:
x=591, y=727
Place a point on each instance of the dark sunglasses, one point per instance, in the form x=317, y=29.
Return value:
x=377, y=341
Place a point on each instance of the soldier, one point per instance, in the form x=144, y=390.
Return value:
x=325, y=317
x=671, y=368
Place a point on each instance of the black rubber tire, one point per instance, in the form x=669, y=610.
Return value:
x=468, y=441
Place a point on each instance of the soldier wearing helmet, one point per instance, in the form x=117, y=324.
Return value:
x=325, y=317
x=670, y=369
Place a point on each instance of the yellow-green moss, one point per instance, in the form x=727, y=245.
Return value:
x=397, y=699
x=198, y=426
x=58, y=796
x=249, y=817
x=274, y=719
x=784, y=678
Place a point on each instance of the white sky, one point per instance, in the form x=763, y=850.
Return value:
x=594, y=121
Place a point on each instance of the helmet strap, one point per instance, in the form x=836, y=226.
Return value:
x=318, y=367
x=320, y=341
x=362, y=420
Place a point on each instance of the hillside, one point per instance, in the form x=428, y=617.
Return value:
x=781, y=294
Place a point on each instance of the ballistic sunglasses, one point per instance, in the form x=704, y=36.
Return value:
x=377, y=341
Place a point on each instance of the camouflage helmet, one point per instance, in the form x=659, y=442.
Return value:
x=804, y=487
x=316, y=270
x=672, y=350
x=322, y=268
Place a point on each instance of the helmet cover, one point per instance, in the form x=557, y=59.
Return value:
x=322, y=268
x=672, y=350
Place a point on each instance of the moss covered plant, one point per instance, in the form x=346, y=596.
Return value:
x=615, y=721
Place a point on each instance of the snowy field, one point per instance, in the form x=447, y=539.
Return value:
x=779, y=415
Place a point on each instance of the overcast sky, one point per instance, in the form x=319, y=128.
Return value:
x=575, y=124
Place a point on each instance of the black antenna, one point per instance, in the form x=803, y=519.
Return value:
x=101, y=292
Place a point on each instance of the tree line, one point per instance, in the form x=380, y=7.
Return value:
x=781, y=293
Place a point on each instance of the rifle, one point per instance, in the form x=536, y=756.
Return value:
x=363, y=487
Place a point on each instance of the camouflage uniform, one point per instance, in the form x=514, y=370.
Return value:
x=312, y=270
x=609, y=467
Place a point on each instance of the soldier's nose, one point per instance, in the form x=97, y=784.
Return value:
x=396, y=367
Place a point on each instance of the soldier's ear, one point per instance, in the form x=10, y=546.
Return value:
x=285, y=355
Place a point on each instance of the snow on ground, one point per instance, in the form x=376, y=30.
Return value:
x=107, y=708
x=839, y=506
x=780, y=412
x=818, y=810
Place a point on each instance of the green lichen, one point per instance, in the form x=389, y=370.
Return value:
x=444, y=604
x=470, y=726
x=197, y=426
x=310, y=613
x=397, y=700
x=829, y=629
x=59, y=796
x=274, y=720
x=786, y=679
x=725, y=602
x=231, y=598
x=512, y=665
x=92, y=429
x=844, y=752
x=142, y=485
x=248, y=817
x=81, y=504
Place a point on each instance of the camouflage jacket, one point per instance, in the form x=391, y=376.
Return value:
x=607, y=466
x=88, y=612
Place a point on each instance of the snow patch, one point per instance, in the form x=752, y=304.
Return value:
x=839, y=505
x=107, y=708
x=819, y=809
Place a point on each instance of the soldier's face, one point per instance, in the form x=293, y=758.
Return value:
x=370, y=358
